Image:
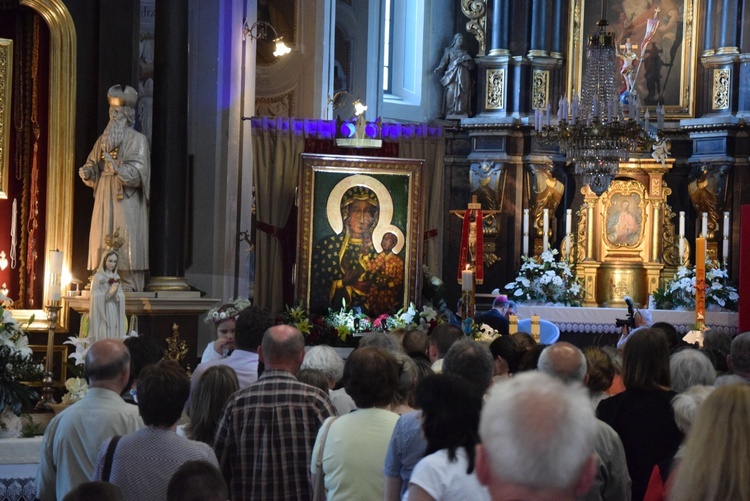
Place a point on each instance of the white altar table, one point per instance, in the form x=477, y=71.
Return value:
x=19, y=461
x=602, y=320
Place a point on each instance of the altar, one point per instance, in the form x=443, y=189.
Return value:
x=596, y=326
x=19, y=461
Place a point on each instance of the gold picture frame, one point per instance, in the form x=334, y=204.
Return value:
x=671, y=55
x=6, y=85
x=59, y=362
x=327, y=276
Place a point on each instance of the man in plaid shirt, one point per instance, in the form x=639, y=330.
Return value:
x=265, y=438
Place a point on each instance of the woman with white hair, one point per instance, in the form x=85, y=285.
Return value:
x=689, y=367
x=327, y=360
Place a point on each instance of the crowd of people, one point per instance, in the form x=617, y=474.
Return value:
x=408, y=415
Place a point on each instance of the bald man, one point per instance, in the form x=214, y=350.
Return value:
x=73, y=438
x=612, y=481
x=265, y=437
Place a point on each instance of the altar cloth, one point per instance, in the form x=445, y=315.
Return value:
x=602, y=320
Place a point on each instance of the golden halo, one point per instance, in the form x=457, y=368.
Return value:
x=377, y=237
x=333, y=206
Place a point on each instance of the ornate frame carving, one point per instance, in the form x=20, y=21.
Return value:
x=6, y=85
x=61, y=162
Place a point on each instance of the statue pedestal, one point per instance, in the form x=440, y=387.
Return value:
x=157, y=312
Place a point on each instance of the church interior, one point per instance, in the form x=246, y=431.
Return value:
x=227, y=121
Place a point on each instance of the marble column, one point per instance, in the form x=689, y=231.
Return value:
x=539, y=32
x=558, y=29
x=727, y=35
x=169, y=163
x=708, y=29
x=500, y=28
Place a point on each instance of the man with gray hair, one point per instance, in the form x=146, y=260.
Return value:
x=689, y=367
x=537, y=440
x=73, y=438
x=612, y=481
x=471, y=360
x=739, y=356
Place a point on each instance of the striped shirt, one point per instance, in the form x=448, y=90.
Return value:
x=265, y=438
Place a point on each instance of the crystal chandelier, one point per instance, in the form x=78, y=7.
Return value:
x=594, y=132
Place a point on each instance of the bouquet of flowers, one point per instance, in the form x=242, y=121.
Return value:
x=16, y=365
x=339, y=327
x=680, y=291
x=546, y=280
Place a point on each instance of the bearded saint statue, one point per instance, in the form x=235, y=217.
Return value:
x=119, y=170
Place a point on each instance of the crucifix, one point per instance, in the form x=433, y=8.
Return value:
x=471, y=259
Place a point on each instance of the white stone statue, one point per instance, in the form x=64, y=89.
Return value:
x=107, y=309
x=119, y=170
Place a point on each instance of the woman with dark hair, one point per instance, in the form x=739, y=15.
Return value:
x=642, y=415
x=210, y=395
x=354, y=445
x=142, y=463
x=506, y=354
x=450, y=422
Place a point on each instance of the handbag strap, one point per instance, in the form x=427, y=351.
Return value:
x=319, y=492
x=109, y=457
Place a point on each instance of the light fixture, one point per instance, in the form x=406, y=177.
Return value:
x=261, y=33
x=357, y=133
x=594, y=133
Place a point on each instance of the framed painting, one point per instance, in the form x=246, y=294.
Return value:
x=359, y=233
x=665, y=71
x=59, y=359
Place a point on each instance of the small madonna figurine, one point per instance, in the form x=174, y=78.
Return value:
x=223, y=320
x=107, y=311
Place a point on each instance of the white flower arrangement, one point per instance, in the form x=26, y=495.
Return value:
x=546, y=280
x=77, y=389
x=484, y=333
x=680, y=291
x=16, y=363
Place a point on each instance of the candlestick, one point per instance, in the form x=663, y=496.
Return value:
x=568, y=221
x=682, y=237
x=704, y=225
x=725, y=246
x=526, y=232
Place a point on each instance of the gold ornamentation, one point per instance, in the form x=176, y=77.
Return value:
x=476, y=11
x=495, y=99
x=624, y=211
x=6, y=84
x=721, y=89
x=176, y=347
x=540, y=89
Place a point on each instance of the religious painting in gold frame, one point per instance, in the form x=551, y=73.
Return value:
x=359, y=233
x=667, y=74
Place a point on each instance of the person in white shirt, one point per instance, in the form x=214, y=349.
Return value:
x=73, y=437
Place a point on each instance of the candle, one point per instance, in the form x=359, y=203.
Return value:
x=704, y=225
x=467, y=279
x=545, y=230
x=726, y=224
x=700, y=281
x=682, y=236
x=526, y=232
x=568, y=236
x=55, y=271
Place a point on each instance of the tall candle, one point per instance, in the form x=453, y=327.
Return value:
x=545, y=230
x=526, y=232
x=568, y=228
x=682, y=236
x=700, y=281
x=704, y=225
x=725, y=248
x=467, y=279
x=726, y=224
x=55, y=271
